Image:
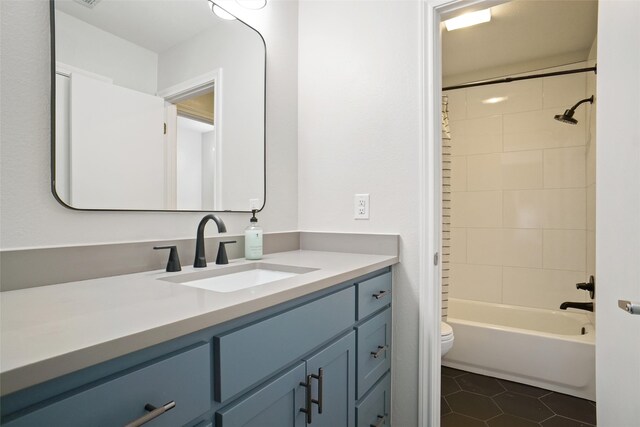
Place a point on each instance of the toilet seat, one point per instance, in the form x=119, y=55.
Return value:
x=445, y=330
x=446, y=338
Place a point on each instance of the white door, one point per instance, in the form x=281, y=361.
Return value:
x=618, y=214
x=116, y=146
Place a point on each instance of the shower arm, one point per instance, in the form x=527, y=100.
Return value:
x=589, y=100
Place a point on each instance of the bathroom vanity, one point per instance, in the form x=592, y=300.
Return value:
x=309, y=349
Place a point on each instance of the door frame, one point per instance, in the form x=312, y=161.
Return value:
x=432, y=13
x=194, y=87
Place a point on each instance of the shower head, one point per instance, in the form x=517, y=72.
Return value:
x=567, y=117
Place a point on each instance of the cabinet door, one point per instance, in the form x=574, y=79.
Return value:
x=335, y=389
x=276, y=404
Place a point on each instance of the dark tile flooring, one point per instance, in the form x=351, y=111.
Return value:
x=470, y=400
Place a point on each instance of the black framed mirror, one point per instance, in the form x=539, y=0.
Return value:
x=157, y=105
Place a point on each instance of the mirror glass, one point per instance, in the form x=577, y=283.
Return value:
x=159, y=105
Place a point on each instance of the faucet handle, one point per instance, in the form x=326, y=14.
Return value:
x=222, y=259
x=588, y=286
x=173, y=264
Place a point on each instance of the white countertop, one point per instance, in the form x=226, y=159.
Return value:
x=49, y=331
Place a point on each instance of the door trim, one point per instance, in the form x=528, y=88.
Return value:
x=432, y=12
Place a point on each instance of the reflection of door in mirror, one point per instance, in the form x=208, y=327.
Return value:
x=192, y=164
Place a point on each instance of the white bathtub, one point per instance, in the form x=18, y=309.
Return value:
x=543, y=348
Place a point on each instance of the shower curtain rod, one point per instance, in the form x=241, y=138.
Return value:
x=515, y=79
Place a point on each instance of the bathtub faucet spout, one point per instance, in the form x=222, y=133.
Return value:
x=588, y=306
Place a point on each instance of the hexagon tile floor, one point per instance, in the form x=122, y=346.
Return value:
x=472, y=400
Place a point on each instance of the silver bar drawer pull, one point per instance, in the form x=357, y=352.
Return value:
x=153, y=413
x=380, y=294
x=630, y=307
x=381, y=349
x=380, y=422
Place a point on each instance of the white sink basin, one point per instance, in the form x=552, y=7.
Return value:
x=237, y=277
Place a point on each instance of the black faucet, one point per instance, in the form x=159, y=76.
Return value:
x=201, y=260
x=588, y=306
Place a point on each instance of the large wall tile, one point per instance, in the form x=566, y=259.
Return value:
x=565, y=209
x=458, y=245
x=563, y=92
x=565, y=168
x=484, y=246
x=565, y=250
x=523, y=209
x=522, y=248
x=484, y=172
x=522, y=170
x=523, y=197
x=458, y=173
x=540, y=288
x=537, y=129
x=476, y=136
x=481, y=209
x=591, y=253
x=591, y=207
x=457, y=104
x=511, y=98
x=591, y=162
x=476, y=282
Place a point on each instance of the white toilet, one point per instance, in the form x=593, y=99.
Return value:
x=446, y=338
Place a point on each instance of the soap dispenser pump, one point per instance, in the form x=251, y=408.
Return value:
x=253, y=239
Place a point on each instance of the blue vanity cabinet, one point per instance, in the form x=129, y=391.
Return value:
x=246, y=356
x=307, y=362
x=318, y=391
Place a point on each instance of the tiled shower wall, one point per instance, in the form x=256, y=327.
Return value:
x=519, y=192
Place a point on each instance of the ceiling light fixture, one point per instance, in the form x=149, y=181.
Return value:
x=220, y=12
x=252, y=4
x=468, y=19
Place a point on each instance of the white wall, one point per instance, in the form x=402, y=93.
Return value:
x=30, y=216
x=519, y=201
x=359, y=133
x=89, y=48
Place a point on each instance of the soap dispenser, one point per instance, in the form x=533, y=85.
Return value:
x=253, y=239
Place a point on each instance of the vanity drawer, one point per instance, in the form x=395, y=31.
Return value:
x=374, y=346
x=247, y=356
x=184, y=378
x=374, y=409
x=373, y=294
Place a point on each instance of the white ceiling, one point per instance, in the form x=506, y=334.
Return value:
x=156, y=25
x=522, y=31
